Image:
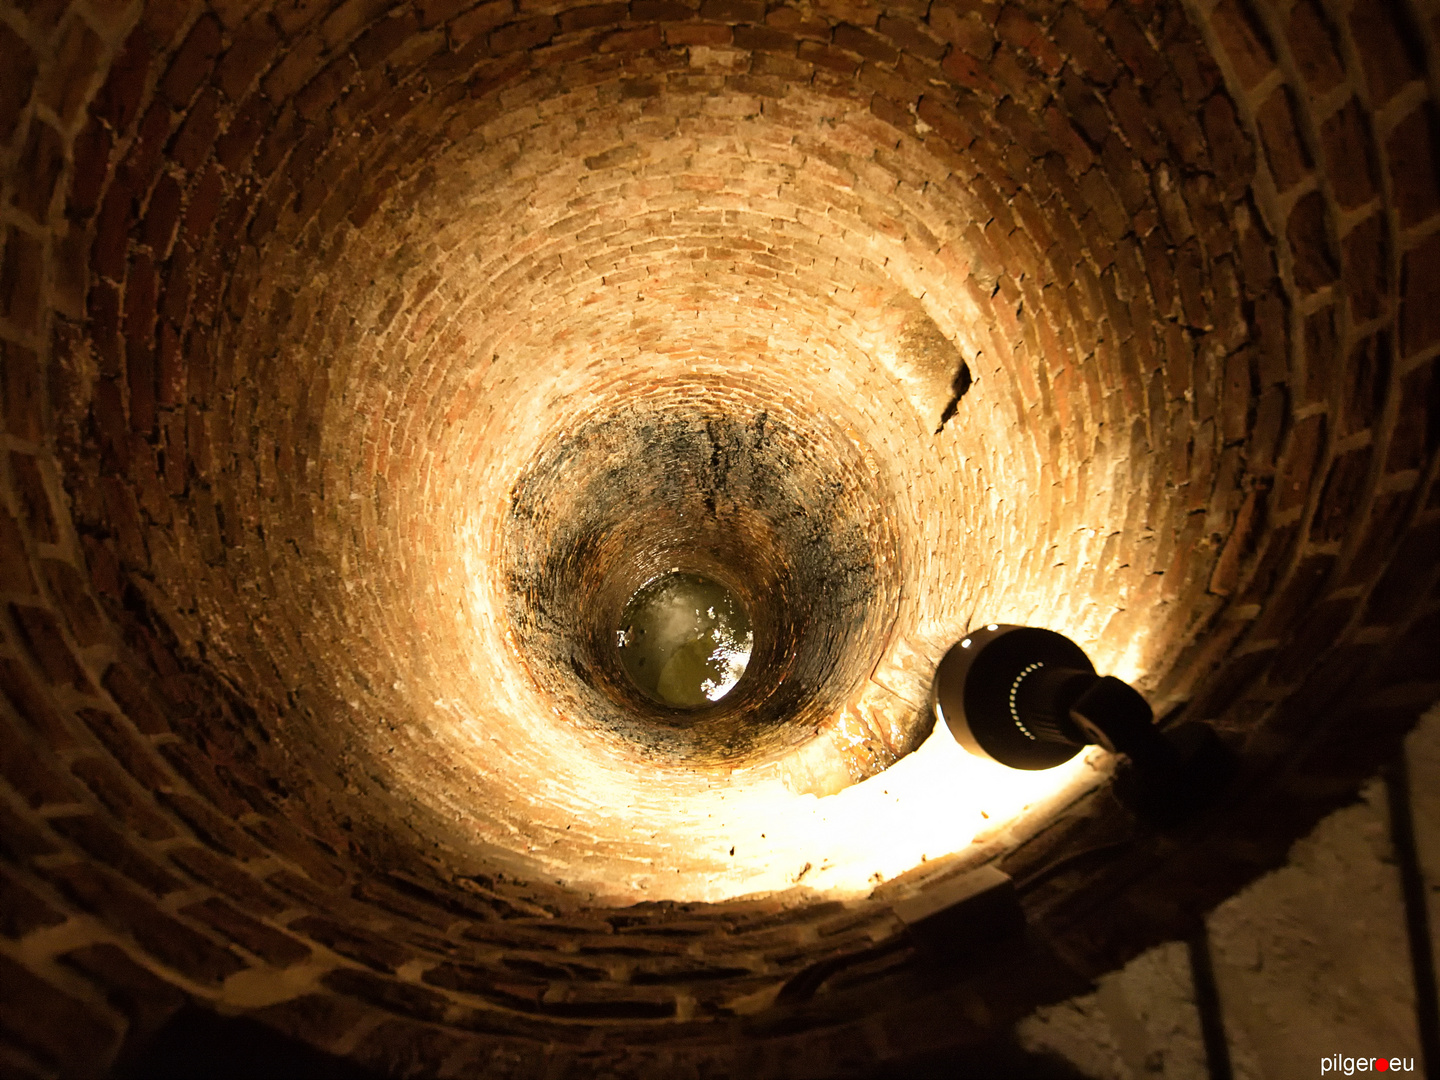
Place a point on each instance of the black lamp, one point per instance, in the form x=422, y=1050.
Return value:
x=1030, y=699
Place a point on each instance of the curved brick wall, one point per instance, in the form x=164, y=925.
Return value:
x=326, y=330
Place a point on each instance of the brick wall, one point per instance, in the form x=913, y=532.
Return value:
x=292, y=294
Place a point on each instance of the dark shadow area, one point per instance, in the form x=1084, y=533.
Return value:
x=200, y=1045
x=1000, y=1059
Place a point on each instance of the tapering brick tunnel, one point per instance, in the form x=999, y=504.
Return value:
x=359, y=362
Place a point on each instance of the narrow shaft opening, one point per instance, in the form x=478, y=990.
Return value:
x=685, y=640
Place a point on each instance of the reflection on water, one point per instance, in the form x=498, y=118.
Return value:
x=685, y=640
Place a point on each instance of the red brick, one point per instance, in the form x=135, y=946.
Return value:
x=15, y=574
x=372, y=949
x=1388, y=46
x=1414, y=170
x=142, y=165
x=135, y=991
x=20, y=276
x=224, y=875
x=1132, y=46
x=1078, y=40
x=1366, y=262
x=104, y=843
x=34, y=498
x=596, y=15
x=137, y=758
x=1019, y=31
x=1349, y=158
x=78, y=59
x=17, y=79
x=70, y=590
x=122, y=798
x=194, y=60
x=112, y=241
x=41, y=163
x=92, y=168
x=1243, y=39
x=644, y=39
x=523, y=35
x=30, y=774
x=389, y=994
x=34, y=705
x=134, y=701
x=1289, y=162
x=162, y=216
x=826, y=57
x=40, y=631
x=1419, y=286
x=910, y=36
x=1308, y=234
x=252, y=50
x=384, y=36
x=481, y=19
x=118, y=101
x=266, y=942
x=733, y=11
x=764, y=39
x=211, y=826
x=968, y=31
x=317, y=1018
x=1417, y=426
x=1395, y=597
x=305, y=851
x=196, y=138
x=243, y=133
x=1312, y=40
x=1383, y=525
x=21, y=911
x=1235, y=397
x=122, y=907
x=1301, y=457
x=864, y=43
x=1231, y=153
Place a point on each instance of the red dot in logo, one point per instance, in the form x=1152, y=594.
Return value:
x=1381, y=1064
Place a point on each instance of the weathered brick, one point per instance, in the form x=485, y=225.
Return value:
x=1308, y=232
x=222, y=874
x=1312, y=40
x=271, y=945
x=1414, y=167
x=1289, y=162
x=41, y=632
x=137, y=758
x=21, y=275
x=192, y=64
x=1388, y=48
x=1419, y=284
x=106, y=844
x=372, y=949
x=1416, y=435
x=168, y=940
x=21, y=910
x=1345, y=140
x=133, y=989
x=1301, y=457
x=122, y=798
x=1366, y=268
x=17, y=80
